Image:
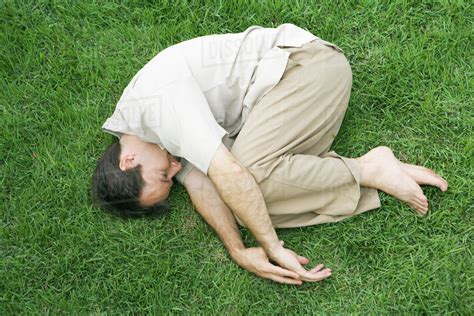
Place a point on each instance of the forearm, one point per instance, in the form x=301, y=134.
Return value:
x=241, y=193
x=215, y=212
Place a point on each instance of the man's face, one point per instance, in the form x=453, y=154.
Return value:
x=158, y=169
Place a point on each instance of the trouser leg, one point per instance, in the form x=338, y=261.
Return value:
x=300, y=115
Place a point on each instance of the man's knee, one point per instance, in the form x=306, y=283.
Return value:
x=343, y=70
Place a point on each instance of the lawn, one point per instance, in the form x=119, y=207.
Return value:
x=63, y=66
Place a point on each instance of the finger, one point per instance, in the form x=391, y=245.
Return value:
x=317, y=268
x=323, y=274
x=303, y=260
x=282, y=242
x=283, y=280
x=283, y=272
x=300, y=258
x=315, y=277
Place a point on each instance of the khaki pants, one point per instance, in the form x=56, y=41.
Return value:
x=285, y=142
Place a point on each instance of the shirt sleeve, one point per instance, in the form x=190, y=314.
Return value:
x=186, y=169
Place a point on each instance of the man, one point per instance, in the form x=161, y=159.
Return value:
x=252, y=116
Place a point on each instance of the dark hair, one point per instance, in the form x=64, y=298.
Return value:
x=118, y=191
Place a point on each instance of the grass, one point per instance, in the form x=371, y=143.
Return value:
x=63, y=66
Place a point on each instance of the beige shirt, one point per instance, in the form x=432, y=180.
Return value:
x=193, y=93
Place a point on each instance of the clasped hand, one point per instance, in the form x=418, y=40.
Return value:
x=289, y=271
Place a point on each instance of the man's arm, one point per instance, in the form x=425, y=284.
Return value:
x=243, y=196
x=207, y=201
x=238, y=189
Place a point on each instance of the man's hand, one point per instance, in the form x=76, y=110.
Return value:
x=288, y=259
x=256, y=261
x=240, y=192
x=216, y=213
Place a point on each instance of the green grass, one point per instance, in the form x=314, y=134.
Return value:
x=63, y=66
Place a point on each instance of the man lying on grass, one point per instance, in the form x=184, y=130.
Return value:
x=245, y=121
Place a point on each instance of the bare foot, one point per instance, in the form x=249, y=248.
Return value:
x=424, y=175
x=381, y=170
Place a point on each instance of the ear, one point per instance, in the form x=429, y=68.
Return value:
x=127, y=162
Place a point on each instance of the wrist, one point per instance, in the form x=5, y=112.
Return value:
x=236, y=252
x=238, y=256
x=273, y=249
x=271, y=245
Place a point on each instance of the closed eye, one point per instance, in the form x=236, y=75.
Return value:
x=165, y=178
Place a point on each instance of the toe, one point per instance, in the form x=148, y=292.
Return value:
x=422, y=209
x=418, y=210
x=444, y=186
x=422, y=202
x=423, y=198
x=441, y=184
x=419, y=196
x=419, y=207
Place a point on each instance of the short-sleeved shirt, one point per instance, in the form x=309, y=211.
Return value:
x=192, y=94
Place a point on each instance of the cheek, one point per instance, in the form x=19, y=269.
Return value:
x=168, y=191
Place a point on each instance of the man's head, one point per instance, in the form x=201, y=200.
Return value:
x=133, y=178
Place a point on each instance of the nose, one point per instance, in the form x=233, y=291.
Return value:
x=172, y=158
